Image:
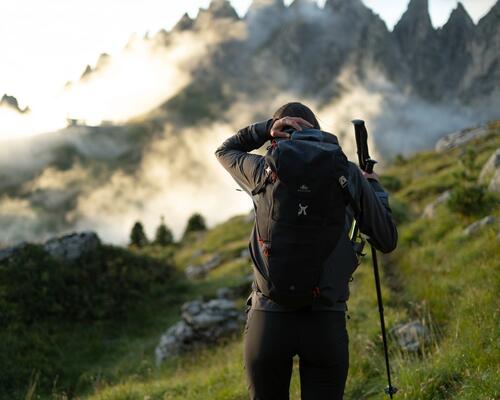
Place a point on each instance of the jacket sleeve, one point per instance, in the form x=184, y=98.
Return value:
x=234, y=155
x=375, y=219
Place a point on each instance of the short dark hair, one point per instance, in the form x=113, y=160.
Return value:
x=296, y=109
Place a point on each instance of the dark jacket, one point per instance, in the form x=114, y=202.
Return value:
x=375, y=219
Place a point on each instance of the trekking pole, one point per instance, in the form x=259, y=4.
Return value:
x=366, y=164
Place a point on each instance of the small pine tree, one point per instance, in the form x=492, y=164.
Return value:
x=163, y=235
x=138, y=236
x=468, y=197
x=195, y=223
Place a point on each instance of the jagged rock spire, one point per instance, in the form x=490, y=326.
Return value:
x=222, y=9
x=415, y=24
x=460, y=16
x=258, y=4
x=343, y=5
x=185, y=23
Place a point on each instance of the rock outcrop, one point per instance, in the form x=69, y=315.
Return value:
x=12, y=103
x=460, y=138
x=65, y=248
x=201, y=324
x=199, y=271
x=72, y=246
x=476, y=226
x=430, y=209
x=490, y=167
x=411, y=336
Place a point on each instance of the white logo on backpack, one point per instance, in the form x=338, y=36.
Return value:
x=302, y=210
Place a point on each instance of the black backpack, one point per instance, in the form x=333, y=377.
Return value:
x=301, y=213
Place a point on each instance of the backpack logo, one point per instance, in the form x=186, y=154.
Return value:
x=302, y=210
x=304, y=189
x=343, y=181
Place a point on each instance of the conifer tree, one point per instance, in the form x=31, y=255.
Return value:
x=195, y=223
x=138, y=236
x=163, y=235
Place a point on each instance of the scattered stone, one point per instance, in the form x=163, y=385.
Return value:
x=411, y=336
x=430, y=209
x=199, y=271
x=490, y=167
x=72, y=246
x=494, y=185
x=460, y=138
x=201, y=324
x=476, y=226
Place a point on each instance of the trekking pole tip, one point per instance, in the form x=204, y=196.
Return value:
x=391, y=390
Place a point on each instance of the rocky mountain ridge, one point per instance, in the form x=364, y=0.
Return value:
x=307, y=49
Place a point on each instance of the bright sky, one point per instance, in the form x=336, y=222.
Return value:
x=43, y=44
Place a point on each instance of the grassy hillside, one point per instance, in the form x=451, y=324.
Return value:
x=437, y=275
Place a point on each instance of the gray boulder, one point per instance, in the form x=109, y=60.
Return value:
x=460, y=138
x=476, y=226
x=430, y=209
x=494, y=185
x=199, y=271
x=201, y=324
x=72, y=246
x=411, y=336
x=490, y=167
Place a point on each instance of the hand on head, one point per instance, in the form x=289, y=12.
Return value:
x=279, y=126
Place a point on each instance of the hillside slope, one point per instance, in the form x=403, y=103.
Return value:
x=438, y=276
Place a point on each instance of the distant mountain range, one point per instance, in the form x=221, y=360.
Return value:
x=304, y=49
x=412, y=85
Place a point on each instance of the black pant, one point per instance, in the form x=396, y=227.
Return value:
x=320, y=340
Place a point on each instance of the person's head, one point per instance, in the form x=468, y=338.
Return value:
x=296, y=109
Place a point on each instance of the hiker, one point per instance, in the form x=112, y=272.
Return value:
x=289, y=244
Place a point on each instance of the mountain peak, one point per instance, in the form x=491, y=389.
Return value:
x=222, y=9
x=185, y=23
x=340, y=6
x=459, y=16
x=415, y=24
x=257, y=4
x=417, y=13
x=11, y=102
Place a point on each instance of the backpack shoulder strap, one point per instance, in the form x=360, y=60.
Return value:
x=344, y=184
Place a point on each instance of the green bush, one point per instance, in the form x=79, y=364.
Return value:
x=468, y=197
x=101, y=284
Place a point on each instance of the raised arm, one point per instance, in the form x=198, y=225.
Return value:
x=234, y=155
x=375, y=219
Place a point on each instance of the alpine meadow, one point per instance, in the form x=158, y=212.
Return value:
x=125, y=266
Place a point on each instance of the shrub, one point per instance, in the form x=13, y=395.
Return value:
x=468, y=197
x=34, y=286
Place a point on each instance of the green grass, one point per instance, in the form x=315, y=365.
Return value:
x=447, y=281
